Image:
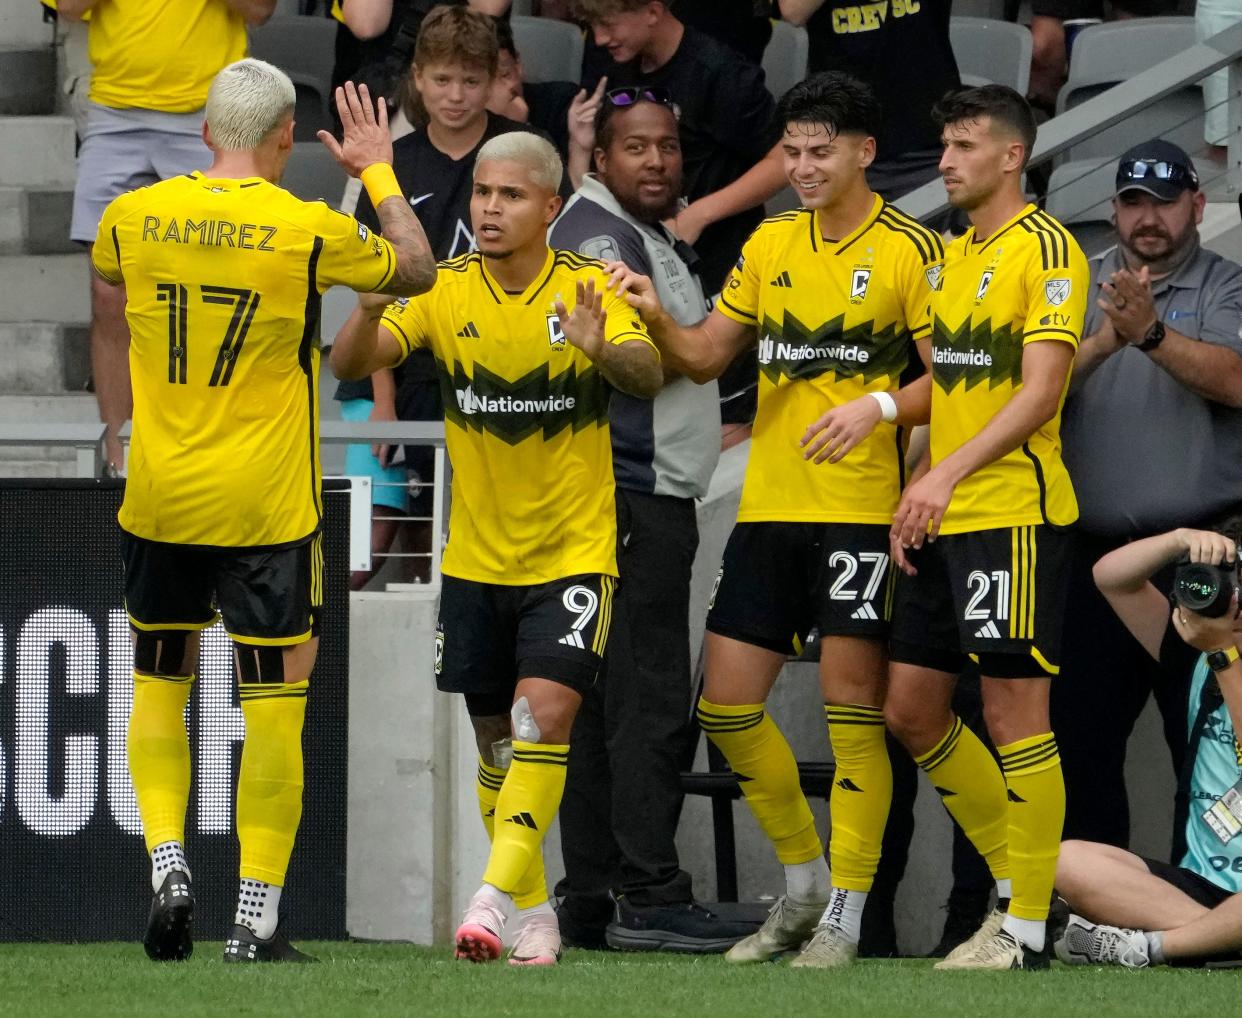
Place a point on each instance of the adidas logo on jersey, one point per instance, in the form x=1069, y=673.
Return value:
x=988, y=631
x=523, y=820
x=865, y=611
x=782, y=280
x=572, y=639
x=469, y=332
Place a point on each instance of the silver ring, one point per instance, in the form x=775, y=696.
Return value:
x=1120, y=304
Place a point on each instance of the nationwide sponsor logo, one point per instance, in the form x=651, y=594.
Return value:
x=1057, y=291
x=969, y=358
x=770, y=350
x=469, y=403
x=790, y=350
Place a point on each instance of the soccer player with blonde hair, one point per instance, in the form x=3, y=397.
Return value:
x=223, y=273
x=530, y=565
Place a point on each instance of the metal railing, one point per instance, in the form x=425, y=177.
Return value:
x=85, y=439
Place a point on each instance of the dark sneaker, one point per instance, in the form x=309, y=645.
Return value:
x=243, y=946
x=169, y=927
x=686, y=928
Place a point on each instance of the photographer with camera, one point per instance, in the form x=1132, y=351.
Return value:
x=1194, y=908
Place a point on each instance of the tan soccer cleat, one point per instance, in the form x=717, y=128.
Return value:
x=827, y=949
x=999, y=953
x=991, y=926
x=788, y=925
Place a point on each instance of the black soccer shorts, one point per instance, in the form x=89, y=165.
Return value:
x=266, y=596
x=995, y=595
x=778, y=580
x=491, y=635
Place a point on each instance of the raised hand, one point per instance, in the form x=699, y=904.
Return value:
x=581, y=116
x=365, y=130
x=584, y=327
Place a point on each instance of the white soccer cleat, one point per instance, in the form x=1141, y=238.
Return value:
x=1085, y=943
x=538, y=942
x=998, y=953
x=788, y=925
x=827, y=949
x=991, y=926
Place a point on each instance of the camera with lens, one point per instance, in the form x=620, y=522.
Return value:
x=1203, y=588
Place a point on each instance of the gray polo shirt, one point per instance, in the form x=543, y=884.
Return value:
x=669, y=445
x=1146, y=453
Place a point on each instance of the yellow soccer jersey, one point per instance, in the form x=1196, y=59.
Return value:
x=835, y=320
x=222, y=284
x=161, y=55
x=526, y=417
x=1026, y=283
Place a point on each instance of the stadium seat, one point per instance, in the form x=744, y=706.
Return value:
x=550, y=50
x=305, y=49
x=990, y=51
x=785, y=58
x=312, y=174
x=1079, y=195
x=1109, y=54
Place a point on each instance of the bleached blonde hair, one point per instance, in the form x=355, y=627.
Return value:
x=532, y=151
x=246, y=102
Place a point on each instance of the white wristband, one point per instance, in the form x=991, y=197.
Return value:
x=888, y=405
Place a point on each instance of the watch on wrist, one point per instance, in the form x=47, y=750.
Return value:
x=1153, y=337
x=1219, y=660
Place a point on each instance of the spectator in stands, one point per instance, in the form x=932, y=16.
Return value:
x=623, y=793
x=144, y=123
x=726, y=128
x=903, y=52
x=455, y=61
x=1211, y=17
x=1153, y=437
x=743, y=25
x=1193, y=909
x=222, y=509
x=375, y=39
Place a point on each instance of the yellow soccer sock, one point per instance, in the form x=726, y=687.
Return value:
x=532, y=889
x=1032, y=769
x=525, y=808
x=973, y=790
x=269, y=785
x=159, y=755
x=862, y=791
x=766, y=770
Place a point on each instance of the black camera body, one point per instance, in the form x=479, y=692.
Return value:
x=1203, y=588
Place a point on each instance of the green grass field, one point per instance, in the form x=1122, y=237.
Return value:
x=376, y=981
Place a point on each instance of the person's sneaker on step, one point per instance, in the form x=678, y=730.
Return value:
x=244, y=945
x=683, y=927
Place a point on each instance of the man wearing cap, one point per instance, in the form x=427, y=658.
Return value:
x=1153, y=440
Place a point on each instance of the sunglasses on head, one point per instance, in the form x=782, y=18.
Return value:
x=623, y=97
x=1136, y=170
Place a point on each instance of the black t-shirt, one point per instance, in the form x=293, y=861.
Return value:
x=902, y=50
x=726, y=127
x=733, y=22
x=548, y=104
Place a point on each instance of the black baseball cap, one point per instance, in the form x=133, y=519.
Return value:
x=1158, y=167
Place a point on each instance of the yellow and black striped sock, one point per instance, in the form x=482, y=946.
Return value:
x=269, y=782
x=768, y=774
x=862, y=790
x=159, y=755
x=973, y=791
x=532, y=889
x=1036, y=789
x=525, y=808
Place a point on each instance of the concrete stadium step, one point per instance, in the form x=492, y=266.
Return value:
x=41, y=357
x=41, y=460
x=27, y=80
x=45, y=288
x=37, y=151
x=35, y=220
x=22, y=24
